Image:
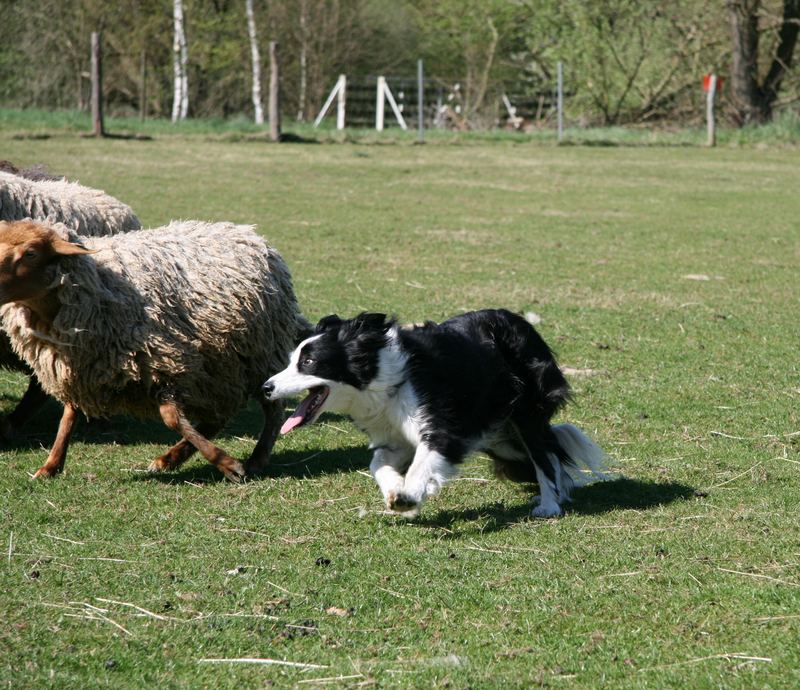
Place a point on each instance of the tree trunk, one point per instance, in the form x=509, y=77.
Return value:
x=97, y=86
x=274, y=93
x=180, y=54
x=745, y=92
x=753, y=101
x=256, y=57
x=301, y=98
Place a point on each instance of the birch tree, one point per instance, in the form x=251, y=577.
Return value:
x=256, y=58
x=180, y=53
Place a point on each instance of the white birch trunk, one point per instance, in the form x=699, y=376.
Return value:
x=180, y=59
x=301, y=110
x=256, y=56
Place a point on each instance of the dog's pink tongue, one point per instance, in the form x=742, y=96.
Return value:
x=298, y=416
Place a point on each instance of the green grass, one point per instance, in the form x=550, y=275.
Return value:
x=685, y=574
x=44, y=124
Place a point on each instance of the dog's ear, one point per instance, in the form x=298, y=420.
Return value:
x=327, y=323
x=372, y=321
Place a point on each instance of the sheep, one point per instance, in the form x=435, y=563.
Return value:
x=182, y=322
x=88, y=211
x=35, y=193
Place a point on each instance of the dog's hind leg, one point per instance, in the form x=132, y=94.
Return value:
x=387, y=468
x=429, y=471
x=553, y=481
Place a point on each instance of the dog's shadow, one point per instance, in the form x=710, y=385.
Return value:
x=595, y=499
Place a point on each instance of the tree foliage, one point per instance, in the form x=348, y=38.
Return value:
x=625, y=61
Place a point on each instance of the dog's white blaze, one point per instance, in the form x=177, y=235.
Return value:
x=291, y=381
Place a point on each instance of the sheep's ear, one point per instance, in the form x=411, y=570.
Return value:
x=64, y=248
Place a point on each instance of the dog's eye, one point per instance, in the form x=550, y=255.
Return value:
x=306, y=362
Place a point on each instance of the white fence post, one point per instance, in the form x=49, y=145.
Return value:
x=710, y=125
x=340, y=101
x=420, y=99
x=379, y=101
x=337, y=91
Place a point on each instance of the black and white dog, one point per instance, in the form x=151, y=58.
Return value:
x=429, y=395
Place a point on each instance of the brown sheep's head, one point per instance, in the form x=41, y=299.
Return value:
x=27, y=250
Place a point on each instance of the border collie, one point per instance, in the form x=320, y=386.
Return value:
x=427, y=396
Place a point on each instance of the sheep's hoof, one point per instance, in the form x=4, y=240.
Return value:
x=45, y=471
x=233, y=470
x=158, y=465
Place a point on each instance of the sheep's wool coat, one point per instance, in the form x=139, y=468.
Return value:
x=88, y=211
x=195, y=312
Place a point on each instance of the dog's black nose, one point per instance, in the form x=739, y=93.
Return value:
x=268, y=388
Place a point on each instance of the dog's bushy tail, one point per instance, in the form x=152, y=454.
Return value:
x=544, y=387
x=582, y=460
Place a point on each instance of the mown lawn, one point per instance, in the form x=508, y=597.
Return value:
x=666, y=278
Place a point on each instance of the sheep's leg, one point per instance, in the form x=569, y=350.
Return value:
x=273, y=417
x=29, y=404
x=174, y=419
x=181, y=451
x=58, y=453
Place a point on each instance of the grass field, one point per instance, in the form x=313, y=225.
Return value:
x=667, y=277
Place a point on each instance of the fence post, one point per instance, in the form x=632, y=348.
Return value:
x=560, y=101
x=710, y=124
x=379, y=103
x=274, y=93
x=341, y=100
x=97, y=86
x=420, y=105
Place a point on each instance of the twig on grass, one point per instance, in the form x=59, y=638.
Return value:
x=732, y=479
x=69, y=541
x=297, y=462
x=760, y=577
x=244, y=531
x=10, y=546
x=249, y=660
x=331, y=679
x=727, y=656
x=283, y=589
x=157, y=616
x=97, y=614
x=629, y=574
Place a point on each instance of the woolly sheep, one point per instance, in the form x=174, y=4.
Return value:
x=184, y=322
x=88, y=211
x=34, y=193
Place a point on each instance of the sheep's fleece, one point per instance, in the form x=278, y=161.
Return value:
x=198, y=312
x=87, y=211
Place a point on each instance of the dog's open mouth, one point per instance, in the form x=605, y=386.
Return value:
x=307, y=410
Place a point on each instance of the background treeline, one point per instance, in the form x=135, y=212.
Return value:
x=625, y=61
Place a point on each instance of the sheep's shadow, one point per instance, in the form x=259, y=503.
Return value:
x=122, y=430
x=292, y=464
x=595, y=499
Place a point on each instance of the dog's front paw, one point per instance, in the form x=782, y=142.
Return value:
x=547, y=510
x=400, y=503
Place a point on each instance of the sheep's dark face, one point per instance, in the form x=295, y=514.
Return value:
x=27, y=250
